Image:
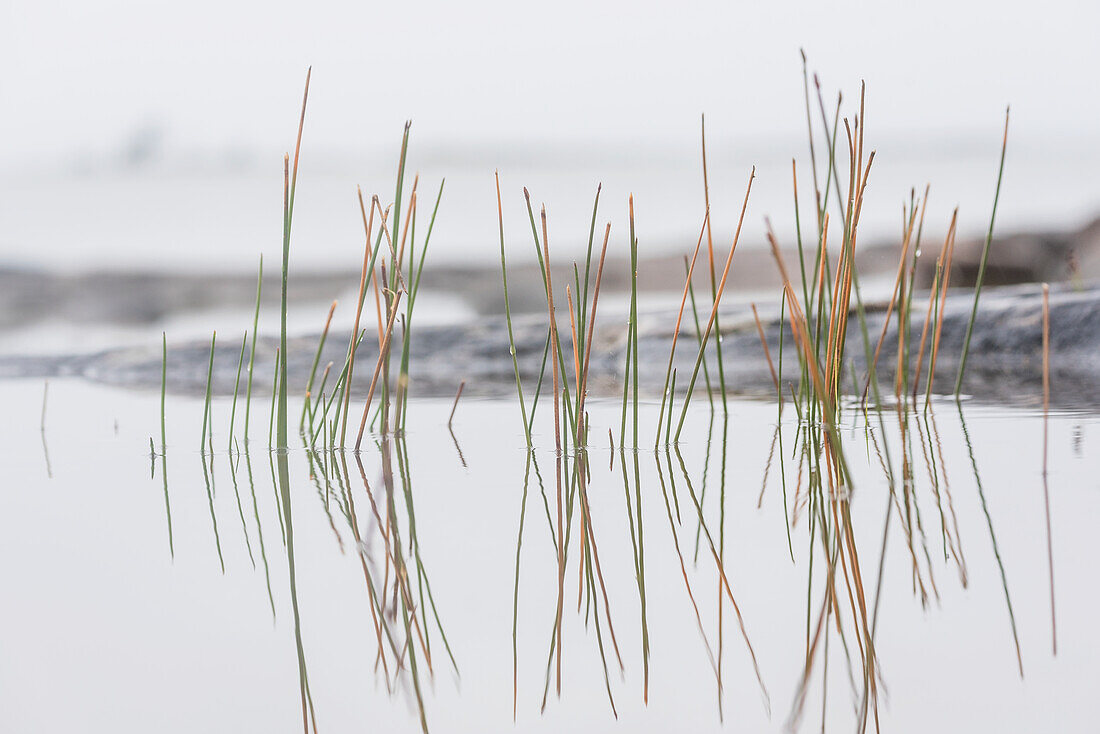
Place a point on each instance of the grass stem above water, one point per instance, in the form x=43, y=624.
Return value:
x=207, y=420
x=1046, y=437
x=252, y=352
x=982, y=264
x=454, y=406
x=236, y=389
x=714, y=309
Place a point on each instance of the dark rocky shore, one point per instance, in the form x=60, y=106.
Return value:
x=1004, y=363
x=30, y=296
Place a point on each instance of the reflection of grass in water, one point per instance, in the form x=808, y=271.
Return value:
x=641, y=576
x=152, y=450
x=450, y=421
x=423, y=583
x=992, y=538
x=717, y=557
x=406, y=601
x=167, y=502
x=208, y=479
x=259, y=530
x=42, y=430
x=376, y=595
x=519, y=548
x=703, y=484
x=320, y=476
x=240, y=507
x=672, y=524
x=270, y=445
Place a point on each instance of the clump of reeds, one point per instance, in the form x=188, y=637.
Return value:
x=818, y=319
x=983, y=262
x=816, y=313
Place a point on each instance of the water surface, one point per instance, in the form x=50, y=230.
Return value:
x=135, y=626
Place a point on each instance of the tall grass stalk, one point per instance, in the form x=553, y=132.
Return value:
x=666, y=394
x=934, y=297
x=382, y=356
x=698, y=332
x=313, y=368
x=983, y=262
x=366, y=276
x=395, y=272
x=163, y=391
x=940, y=311
x=454, y=406
x=583, y=315
x=252, y=352
x=45, y=397
x=236, y=389
x=207, y=420
x=905, y=314
x=714, y=290
x=508, y=318
x=898, y=294
x=1046, y=441
x=714, y=309
x=582, y=389
x=634, y=317
x=560, y=354
x=274, y=402
x=410, y=303
x=767, y=352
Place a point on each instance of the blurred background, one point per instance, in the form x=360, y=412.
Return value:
x=149, y=136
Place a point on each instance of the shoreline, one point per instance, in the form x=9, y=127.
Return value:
x=465, y=339
x=1004, y=365
x=32, y=295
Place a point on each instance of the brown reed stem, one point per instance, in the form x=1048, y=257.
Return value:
x=1046, y=488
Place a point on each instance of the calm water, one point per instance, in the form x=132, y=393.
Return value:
x=113, y=623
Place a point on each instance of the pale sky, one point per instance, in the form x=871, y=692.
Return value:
x=557, y=96
x=217, y=74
